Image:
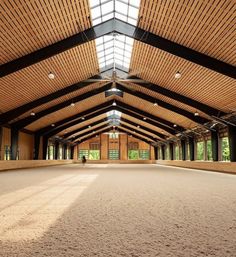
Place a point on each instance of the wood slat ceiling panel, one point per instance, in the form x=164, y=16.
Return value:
x=196, y=82
x=140, y=129
x=67, y=112
x=61, y=99
x=166, y=99
x=94, y=127
x=89, y=134
x=205, y=26
x=31, y=83
x=82, y=123
x=130, y=131
x=158, y=111
x=142, y=124
x=27, y=26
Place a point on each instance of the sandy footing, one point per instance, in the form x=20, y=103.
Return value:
x=117, y=210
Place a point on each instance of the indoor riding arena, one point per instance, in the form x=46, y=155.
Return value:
x=117, y=128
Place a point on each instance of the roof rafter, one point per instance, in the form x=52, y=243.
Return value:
x=115, y=25
x=28, y=120
x=14, y=113
x=173, y=108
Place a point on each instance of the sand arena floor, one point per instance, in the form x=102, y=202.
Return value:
x=117, y=210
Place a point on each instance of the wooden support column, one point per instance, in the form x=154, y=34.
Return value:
x=232, y=142
x=56, y=150
x=215, y=145
x=183, y=147
x=191, y=149
x=156, y=152
x=171, y=147
x=1, y=149
x=163, y=152
x=71, y=152
x=45, y=147
x=14, y=143
x=36, y=146
x=64, y=147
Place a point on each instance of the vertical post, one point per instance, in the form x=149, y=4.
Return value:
x=56, y=150
x=191, y=149
x=72, y=152
x=163, y=152
x=156, y=152
x=232, y=142
x=171, y=147
x=215, y=145
x=64, y=148
x=14, y=143
x=1, y=150
x=36, y=146
x=183, y=147
x=45, y=147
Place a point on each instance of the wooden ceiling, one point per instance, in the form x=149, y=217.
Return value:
x=30, y=25
x=205, y=26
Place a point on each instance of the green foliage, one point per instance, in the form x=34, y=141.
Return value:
x=225, y=149
x=200, y=151
x=133, y=155
x=177, y=152
x=94, y=154
x=209, y=150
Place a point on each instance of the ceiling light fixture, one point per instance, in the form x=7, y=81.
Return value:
x=144, y=118
x=155, y=104
x=138, y=126
x=32, y=113
x=177, y=75
x=114, y=103
x=89, y=126
x=51, y=75
x=72, y=104
x=53, y=125
x=82, y=118
x=174, y=125
x=196, y=114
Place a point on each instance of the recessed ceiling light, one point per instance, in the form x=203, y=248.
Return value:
x=72, y=104
x=196, y=114
x=93, y=131
x=144, y=118
x=51, y=75
x=32, y=113
x=174, y=125
x=114, y=103
x=177, y=75
x=82, y=118
x=89, y=126
x=155, y=104
x=53, y=125
x=138, y=126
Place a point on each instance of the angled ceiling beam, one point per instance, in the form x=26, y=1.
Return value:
x=135, y=135
x=115, y=25
x=92, y=136
x=28, y=120
x=180, y=98
x=74, y=118
x=159, y=122
x=80, y=130
x=138, y=132
x=142, y=127
x=90, y=114
x=14, y=113
x=74, y=139
x=173, y=108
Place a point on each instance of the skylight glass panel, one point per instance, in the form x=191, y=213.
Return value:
x=115, y=48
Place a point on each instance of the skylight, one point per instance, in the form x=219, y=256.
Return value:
x=114, y=49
